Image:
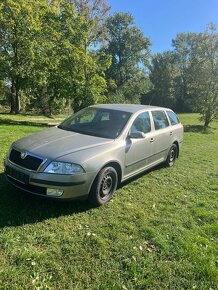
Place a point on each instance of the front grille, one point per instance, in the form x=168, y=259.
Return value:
x=15, y=174
x=29, y=162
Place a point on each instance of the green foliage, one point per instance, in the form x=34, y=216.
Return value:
x=164, y=77
x=203, y=75
x=136, y=87
x=95, y=13
x=3, y=89
x=73, y=71
x=197, y=56
x=46, y=58
x=116, y=98
x=129, y=50
x=131, y=91
x=17, y=30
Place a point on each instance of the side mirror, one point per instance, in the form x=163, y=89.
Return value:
x=137, y=135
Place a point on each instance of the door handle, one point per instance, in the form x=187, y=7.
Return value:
x=171, y=133
x=151, y=140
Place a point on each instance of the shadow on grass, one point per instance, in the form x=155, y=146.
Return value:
x=26, y=115
x=8, y=122
x=198, y=129
x=19, y=208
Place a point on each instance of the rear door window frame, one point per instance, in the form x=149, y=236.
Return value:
x=166, y=119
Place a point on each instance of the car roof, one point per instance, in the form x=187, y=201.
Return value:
x=132, y=108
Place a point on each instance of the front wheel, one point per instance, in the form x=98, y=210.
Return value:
x=172, y=155
x=104, y=186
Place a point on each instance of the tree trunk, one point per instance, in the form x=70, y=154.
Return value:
x=50, y=107
x=12, y=98
x=207, y=119
x=206, y=122
x=17, y=97
x=17, y=103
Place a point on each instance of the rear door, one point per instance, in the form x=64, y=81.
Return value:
x=162, y=137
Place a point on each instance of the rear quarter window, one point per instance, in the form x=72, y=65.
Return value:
x=173, y=118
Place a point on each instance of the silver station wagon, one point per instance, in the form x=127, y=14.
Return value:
x=91, y=152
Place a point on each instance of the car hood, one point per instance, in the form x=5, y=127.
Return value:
x=54, y=143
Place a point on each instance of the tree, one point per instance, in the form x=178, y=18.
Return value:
x=203, y=75
x=136, y=87
x=127, y=46
x=3, y=89
x=83, y=69
x=46, y=57
x=95, y=13
x=93, y=85
x=17, y=32
x=73, y=71
x=197, y=57
x=164, y=75
x=43, y=81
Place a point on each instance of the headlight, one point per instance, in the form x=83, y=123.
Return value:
x=64, y=168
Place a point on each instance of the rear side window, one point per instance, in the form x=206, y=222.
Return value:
x=160, y=120
x=173, y=118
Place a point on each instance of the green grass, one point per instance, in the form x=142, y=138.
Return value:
x=159, y=232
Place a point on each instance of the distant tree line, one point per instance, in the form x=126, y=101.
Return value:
x=58, y=54
x=186, y=78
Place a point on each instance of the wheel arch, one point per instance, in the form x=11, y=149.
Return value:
x=117, y=168
x=114, y=164
x=177, y=145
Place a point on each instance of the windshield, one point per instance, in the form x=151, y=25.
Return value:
x=97, y=122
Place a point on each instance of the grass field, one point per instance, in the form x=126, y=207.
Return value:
x=159, y=232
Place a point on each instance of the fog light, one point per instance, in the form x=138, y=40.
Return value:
x=54, y=192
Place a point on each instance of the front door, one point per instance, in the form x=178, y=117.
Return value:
x=139, y=150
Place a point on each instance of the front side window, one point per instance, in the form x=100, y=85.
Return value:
x=142, y=123
x=160, y=120
x=173, y=118
x=99, y=122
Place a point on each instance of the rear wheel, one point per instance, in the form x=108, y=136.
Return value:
x=104, y=186
x=172, y=155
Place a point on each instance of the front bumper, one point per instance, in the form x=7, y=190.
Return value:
x=37, y=183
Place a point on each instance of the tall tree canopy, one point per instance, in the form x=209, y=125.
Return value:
x=186, y=78
x=197, y=56
x=44, y=53
x=95, y=13
x=128, y=47
x=164, y=76
x=18, y=27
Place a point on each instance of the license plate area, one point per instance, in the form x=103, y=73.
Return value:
x=17, y=175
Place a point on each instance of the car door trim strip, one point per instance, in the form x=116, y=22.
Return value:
x=135, y=162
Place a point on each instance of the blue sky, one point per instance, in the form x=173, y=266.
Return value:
x=161, y=20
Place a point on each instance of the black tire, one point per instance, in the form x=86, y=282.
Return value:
x=172, y=155
x=104, y=186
